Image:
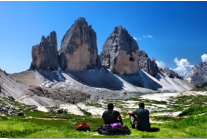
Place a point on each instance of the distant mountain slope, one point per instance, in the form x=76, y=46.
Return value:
x=198, y=74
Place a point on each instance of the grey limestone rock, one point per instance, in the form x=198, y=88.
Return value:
x=171, y=73
x=44, y=55
x=78, y=50
x=197, y=74
x=120, y=52
x=98, y=63
x=146, y=64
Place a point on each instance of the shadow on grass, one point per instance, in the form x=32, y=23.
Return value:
x=154, y=129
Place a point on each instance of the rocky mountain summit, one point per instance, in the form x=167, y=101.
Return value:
x=170, y=73
x=120, y=52
x=44, y=55
x=77, y=73
x=78, y=50
x=146, y=64
x=197, y=74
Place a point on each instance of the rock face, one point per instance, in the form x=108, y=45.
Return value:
x=120, y=52
x=78, y=49
x=171, y=73
x=197, y=74
x=44, y=55
x=146, y=64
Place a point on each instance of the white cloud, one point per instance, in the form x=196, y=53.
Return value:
x=183, y=64
x=137, y=38
x=160, y=64
x=204, y=57
x=144, y=36
x=149, y=36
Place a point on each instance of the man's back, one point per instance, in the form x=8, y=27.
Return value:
x=142, y=118
x=110, y=116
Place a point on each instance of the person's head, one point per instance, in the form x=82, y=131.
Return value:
x=110, y=106
x=141, y=105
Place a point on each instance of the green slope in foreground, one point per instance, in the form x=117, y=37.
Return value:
x=192, y=122
x=191, y=127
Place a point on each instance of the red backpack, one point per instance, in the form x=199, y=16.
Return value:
x=83, y=127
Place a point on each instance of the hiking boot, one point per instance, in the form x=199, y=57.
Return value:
x=132, y=120
x=136, y=125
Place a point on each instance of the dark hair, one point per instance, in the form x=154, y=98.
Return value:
x=141, y=105
x=110, y=106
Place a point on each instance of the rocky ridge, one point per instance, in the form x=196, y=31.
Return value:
x=78, y=50
x=77, y=67
x=197, y=74
x=44, y=55
x=120, y=52
x=147, y=64
x=170, y=73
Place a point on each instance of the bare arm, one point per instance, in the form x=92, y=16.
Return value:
x=129, y=112
x=119, y=117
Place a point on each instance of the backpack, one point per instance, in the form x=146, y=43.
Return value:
x=113, y=129
x=83, y=127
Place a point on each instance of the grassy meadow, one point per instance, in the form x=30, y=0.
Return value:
x=190, y=123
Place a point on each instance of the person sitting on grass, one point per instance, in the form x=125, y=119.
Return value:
x=139, y=118
x=111, y=116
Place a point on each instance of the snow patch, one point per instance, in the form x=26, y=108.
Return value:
x=91, y=70
x=73, y=109
x=189, y=79
x=141, y=71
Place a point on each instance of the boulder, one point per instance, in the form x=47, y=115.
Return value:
x=44, y=55
x=171, y=73
x=146, y=64
x=34, y=110
x=120, y=52
x=60, y=111
x=19, y=108
x=56, y=110
x=11, y=97
x=20, y=113
x=10, y=112
x=78, y=50
x=197, y=74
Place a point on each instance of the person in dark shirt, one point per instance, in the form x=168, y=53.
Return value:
x=111, y=116
x=141, y=117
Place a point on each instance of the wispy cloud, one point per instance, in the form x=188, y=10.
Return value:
x=149, y=36
x=137, y=38
x=183, y=64
x=204, y=57
x=160, y=64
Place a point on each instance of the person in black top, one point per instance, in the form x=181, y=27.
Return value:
x=111, y=116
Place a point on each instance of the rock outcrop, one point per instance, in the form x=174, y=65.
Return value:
x=146, y=64
x=197, y=74
x=171, y=73
x=78, y=49
x=120, y=52
x=44, y=55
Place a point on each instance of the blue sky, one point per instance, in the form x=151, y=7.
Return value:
x=165, y=30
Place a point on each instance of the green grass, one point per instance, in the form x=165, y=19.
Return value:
x=193, y=126
x=38, y=128
x=193, y=111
